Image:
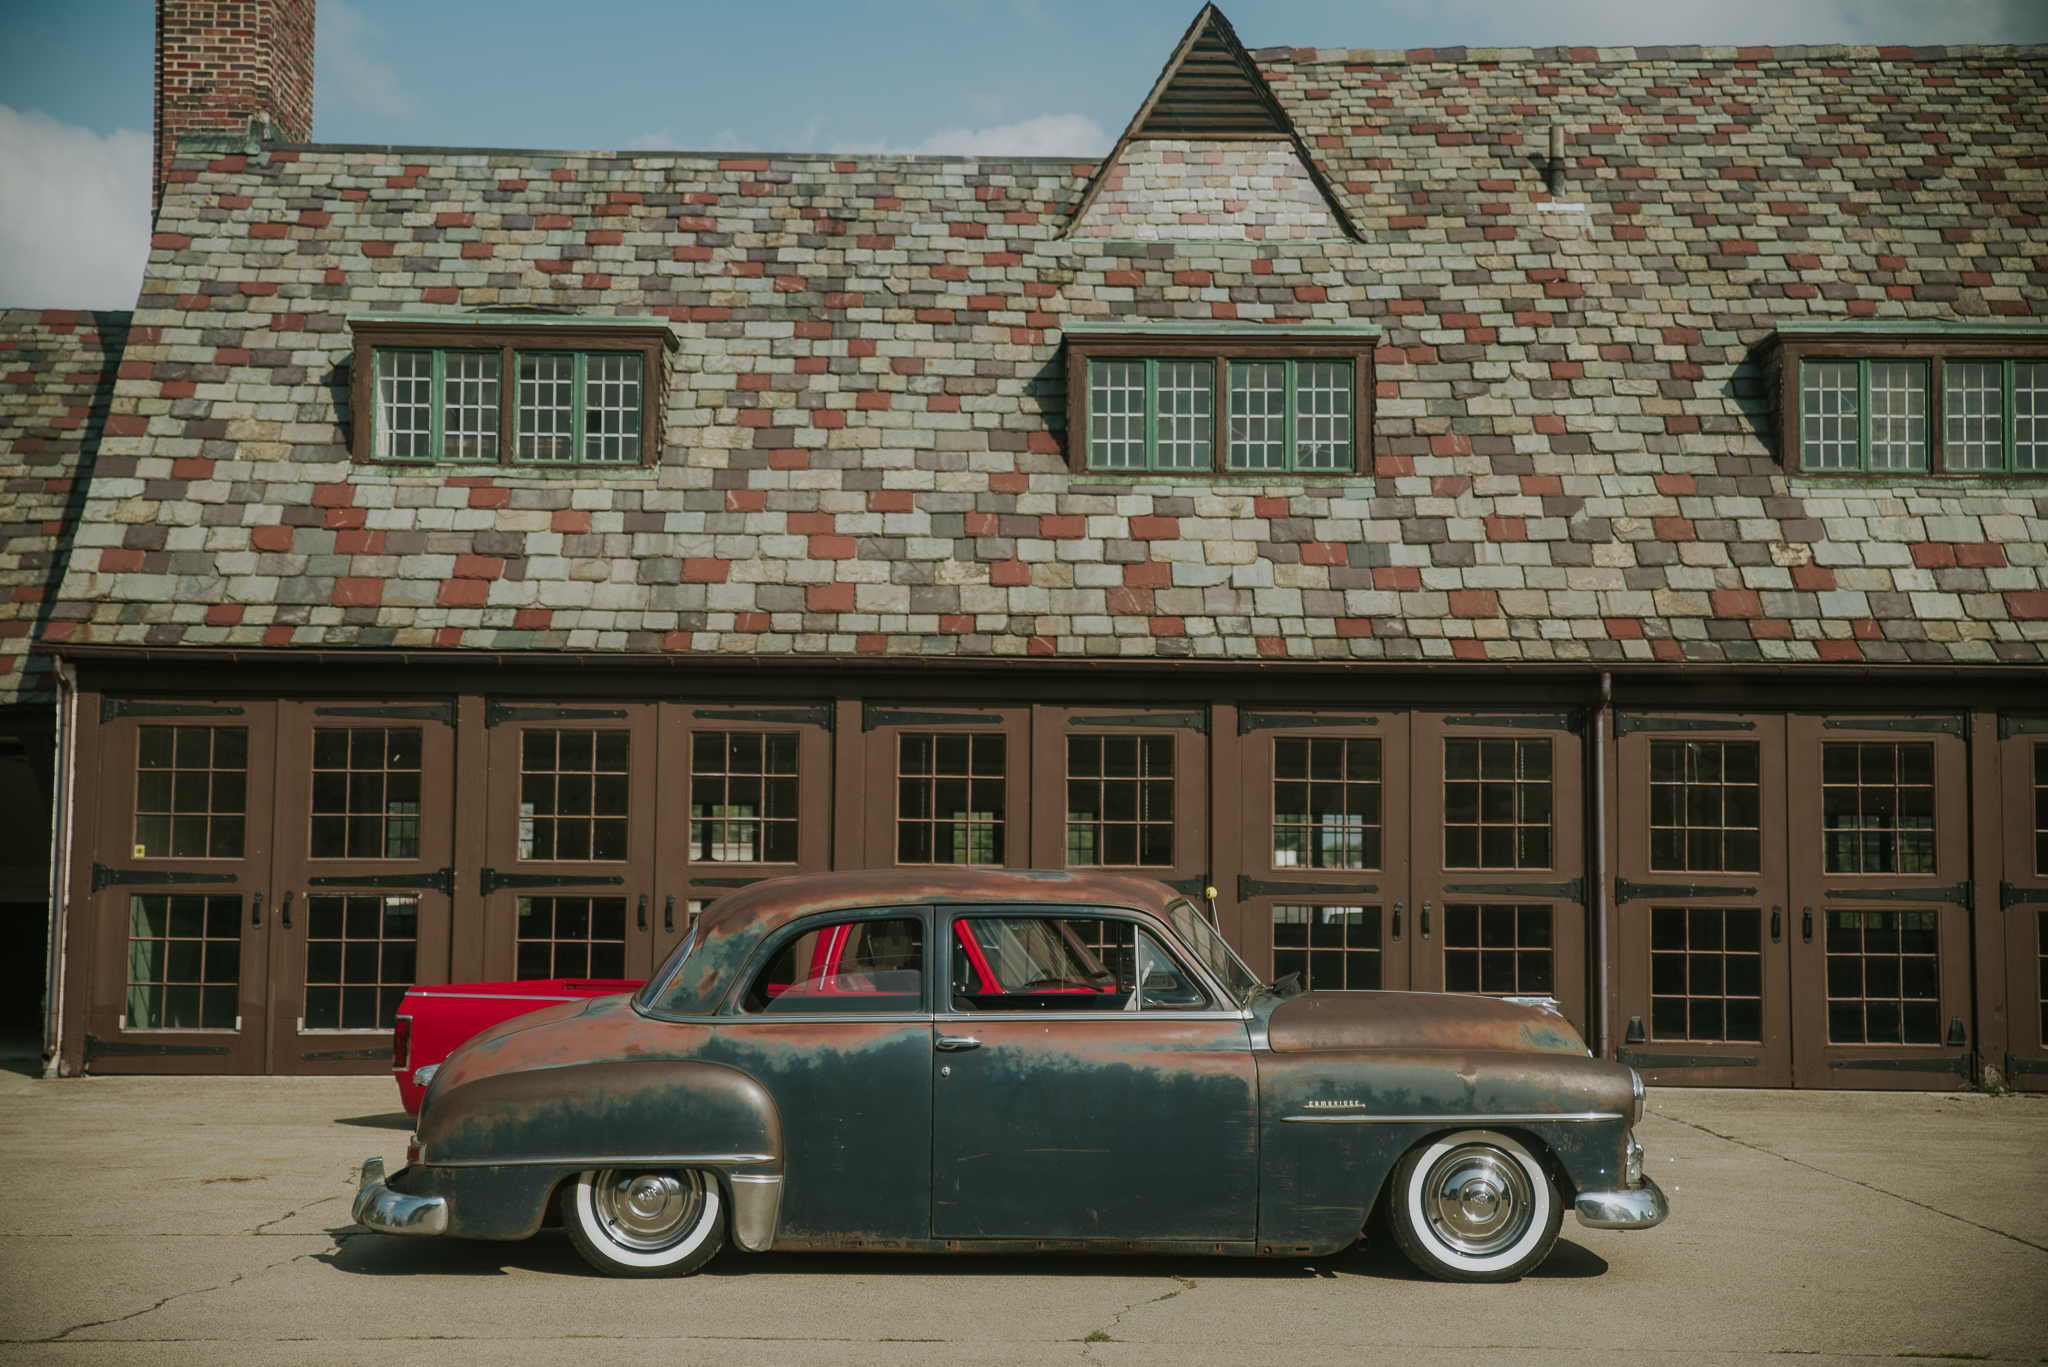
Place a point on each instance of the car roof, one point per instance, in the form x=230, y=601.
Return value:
x=730, y=927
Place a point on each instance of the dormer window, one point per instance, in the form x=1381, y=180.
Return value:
x=1260, y=401
x=491, y=390
x=1902, y=399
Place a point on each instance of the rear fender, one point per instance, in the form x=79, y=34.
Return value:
x=505, y=1139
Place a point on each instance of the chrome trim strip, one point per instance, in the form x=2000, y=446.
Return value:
x=665, y=1160
x=1637, y=1208
x=1493, y=1118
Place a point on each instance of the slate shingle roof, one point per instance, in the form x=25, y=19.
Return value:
x=1572, y=457
x=56, y=380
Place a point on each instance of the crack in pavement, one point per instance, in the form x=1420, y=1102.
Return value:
x=1116, y=1320
x=292, y=1214
x=333, y=1241
x=1854, y=1181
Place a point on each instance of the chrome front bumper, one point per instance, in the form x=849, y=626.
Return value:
x=393, y=1212
x=1634, y=1208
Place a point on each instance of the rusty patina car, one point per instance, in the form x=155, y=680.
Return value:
x=1004, y=1061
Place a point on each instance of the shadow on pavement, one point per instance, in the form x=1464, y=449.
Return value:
x=390, y=1120
x=373, y=1255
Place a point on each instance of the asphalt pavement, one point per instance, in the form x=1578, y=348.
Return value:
x=205, y=1220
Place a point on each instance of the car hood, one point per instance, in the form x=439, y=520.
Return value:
x=1416, y=1020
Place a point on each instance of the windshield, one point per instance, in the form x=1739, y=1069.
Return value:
x=649, y=993
x=1196, y=932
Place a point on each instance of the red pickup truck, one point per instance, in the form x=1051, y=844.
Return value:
x=432, y=1021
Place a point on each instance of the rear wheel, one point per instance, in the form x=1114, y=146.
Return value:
x=638, y=1223
x=1475, y=1206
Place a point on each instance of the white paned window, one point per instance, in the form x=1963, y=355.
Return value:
x=1258, y=415
x=1898, y=415
x=2030, y=415
x=1322, y=422
x=1186, y=414
x=1831, y=438
x=547, y=406
x=1975, y=439
x=611, y=408
x=469, y=412
x=405, y=405
x=1116, y=415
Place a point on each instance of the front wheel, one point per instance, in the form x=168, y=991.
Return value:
x=634, y=1223
x=1475, y=1206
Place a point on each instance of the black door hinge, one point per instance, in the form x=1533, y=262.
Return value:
x=1265, y=887
x=1573, y=722
x=1249, y=721
x=785, y=716
x=1625, y=722
x=1190, y=721
x=1636, y=1060
x=497, y=713
x=1625, y=890
x=441, y=712
x=111, y=708
x=1957, y=725
x=490, y=880
x=441, y=881
x=104, y=877
x=1958, y=893
x=1962, y=1065
x=872, y=717
x=96, y=1048
x=1572, y=891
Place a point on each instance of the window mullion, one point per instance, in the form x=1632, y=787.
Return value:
x=576, y=410
x=1288, y=427
x=437, y=404
x=1863, y=416
x=508, y=403
x=2008, y=429
x=1151, y=413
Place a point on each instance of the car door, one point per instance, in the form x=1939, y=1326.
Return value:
x=1064, y=1110
x=836, y=1022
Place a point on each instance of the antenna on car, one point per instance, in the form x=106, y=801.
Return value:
x=1209, y=896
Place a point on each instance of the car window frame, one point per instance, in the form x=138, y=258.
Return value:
x=1220, y=1006
x=733, y=1007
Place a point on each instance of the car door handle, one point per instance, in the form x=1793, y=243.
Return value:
x=951, y=1042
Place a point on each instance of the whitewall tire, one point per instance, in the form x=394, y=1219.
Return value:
x=631, y=1222
x=1474, y=1206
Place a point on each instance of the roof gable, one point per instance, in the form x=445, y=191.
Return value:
x=1211, y=91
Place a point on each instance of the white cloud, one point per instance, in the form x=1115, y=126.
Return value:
x=1749, y=23
x=1048, y=135
x=74, y=214
x=350, y=67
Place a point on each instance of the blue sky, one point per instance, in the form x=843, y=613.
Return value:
x=1016, y=76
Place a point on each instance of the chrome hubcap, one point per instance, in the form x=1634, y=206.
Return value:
x=647, y=1210
x=1477, y=1199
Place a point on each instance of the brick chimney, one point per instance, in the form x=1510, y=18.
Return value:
x=221, y=64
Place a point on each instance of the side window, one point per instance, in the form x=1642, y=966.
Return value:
x=852, y=966
x=1061, y=963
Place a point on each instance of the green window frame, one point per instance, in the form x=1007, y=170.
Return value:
x=1151, y=413
x=2015, y=431
x=1864, y=415
x=1316, y=436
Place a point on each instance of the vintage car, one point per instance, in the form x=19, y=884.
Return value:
x=1000, y=1061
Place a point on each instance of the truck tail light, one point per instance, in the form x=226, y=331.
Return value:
x=401, y=1045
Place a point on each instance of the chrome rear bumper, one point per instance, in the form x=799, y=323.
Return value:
x=1634, y=1208
x=393, y=1212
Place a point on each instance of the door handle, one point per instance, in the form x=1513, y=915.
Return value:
x=1425, y=920
x=1776, y=925
x=643, y=911
x=256, y=910
x=949, y=1043
x=1806, y=925
x=287, y=908
x=1397, y=920
x=668, y=914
